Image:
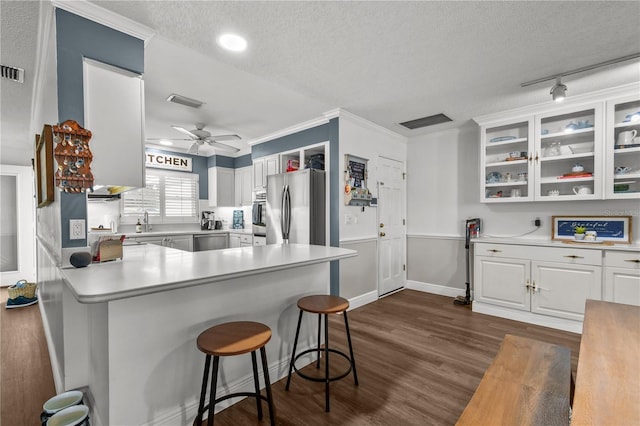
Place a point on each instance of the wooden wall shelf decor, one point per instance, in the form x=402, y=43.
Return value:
x=73, y=156
x=44, y=167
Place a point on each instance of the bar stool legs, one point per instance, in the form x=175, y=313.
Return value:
x=327, y=379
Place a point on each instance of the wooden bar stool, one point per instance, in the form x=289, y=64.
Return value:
x=228, y=339
x=323, y=305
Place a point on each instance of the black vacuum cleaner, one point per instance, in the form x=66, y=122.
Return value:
x=472, y=230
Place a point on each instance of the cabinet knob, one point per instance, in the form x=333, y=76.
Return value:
x=537, y=156
x=495, y=251
x=382, y=225
x=528, y=286
x=632, y=260
x=382, y=234
x=573, y=256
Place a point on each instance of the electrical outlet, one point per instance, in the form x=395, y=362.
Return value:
x=76, y=229
x=537, y=222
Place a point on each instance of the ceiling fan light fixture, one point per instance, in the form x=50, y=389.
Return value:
x=232, y=42
x=558, y=91
x=165, y=142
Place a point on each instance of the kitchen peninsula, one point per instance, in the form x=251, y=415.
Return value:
x=130, y=326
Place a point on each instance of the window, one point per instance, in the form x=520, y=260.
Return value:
x=168, y=197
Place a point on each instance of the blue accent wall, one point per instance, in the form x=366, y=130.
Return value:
x=76, y=38
x=243, y=161
x=323, y=133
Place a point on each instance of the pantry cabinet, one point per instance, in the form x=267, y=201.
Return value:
x=586, y=149
x=542, y=281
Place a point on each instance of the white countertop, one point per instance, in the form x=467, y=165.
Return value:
x=179, y=232
x=549, y=243
x=149, y=268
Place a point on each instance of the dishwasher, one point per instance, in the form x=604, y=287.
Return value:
x=204, y=242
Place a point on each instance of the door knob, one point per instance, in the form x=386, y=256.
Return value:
x=382, y=234
x=382, y=225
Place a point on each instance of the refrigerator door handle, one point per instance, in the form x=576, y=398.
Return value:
x=286, y=213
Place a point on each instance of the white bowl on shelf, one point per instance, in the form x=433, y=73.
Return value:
x=582, y=147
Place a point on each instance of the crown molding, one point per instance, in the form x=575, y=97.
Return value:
x=290, y=130
x=105, y=17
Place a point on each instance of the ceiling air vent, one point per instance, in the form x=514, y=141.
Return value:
x=13, y=73
x=183, y=100
x=426, y=121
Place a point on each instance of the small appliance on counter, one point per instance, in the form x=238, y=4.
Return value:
x=207, y=220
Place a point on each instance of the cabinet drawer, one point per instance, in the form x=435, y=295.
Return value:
x=574, y=256
x=246, y=239
x=622, y=259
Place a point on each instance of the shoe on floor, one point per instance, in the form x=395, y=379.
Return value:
x=21, y=301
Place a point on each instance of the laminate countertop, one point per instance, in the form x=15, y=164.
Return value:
x=549, y=243
x=149, y=268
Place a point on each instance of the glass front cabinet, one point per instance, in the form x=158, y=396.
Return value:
x=585, y=150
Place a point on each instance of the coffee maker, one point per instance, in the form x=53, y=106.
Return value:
x=207, y=221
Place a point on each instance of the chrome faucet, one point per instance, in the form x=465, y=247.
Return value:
x=145, y=220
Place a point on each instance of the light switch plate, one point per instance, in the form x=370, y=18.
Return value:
x=76, y=229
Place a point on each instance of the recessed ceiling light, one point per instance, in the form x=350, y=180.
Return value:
x=232, y=42
x=165, y=142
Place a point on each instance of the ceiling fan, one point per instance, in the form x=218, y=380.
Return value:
x=199, y=136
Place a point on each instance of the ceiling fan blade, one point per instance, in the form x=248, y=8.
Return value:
x=168, y=139
x=218, y=138
x=222, y=146
x=186, y=132
x=193, y=149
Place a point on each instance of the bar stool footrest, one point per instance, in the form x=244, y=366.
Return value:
x=322, y=379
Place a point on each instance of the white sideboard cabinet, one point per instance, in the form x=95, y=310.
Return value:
x=622, y=277
x=543, y=285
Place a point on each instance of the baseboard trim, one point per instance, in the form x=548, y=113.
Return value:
x=363, y=299
x=528, y=317
x=55, y=365
x=434, y=288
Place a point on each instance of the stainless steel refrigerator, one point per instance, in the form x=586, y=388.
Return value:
x=296, y=207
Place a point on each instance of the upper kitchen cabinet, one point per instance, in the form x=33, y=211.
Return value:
x=568, y=154
x=243, y=186
x=588, y=148
x=221, y=187
x=263, y=167
x=309, y=157
x=622, y=147
x=114, y=112
x=507, y=161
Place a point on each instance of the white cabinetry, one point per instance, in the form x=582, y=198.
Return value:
x=263, y=167
x=622, y=277
x=541, y=281
x=240, y=240
x=563, y=153
x=234, y=240
x=622, y=158
x=243, y=186
x=301, y=158
x=180, y=242
x=114, y=112
x=221, y=187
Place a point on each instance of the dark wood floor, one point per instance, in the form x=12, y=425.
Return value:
x=419, y=360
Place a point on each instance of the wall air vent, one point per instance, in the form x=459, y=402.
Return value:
x=13, y=73
x=183, y=100
x=426, y=121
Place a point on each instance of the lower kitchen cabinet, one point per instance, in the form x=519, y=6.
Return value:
x=552, y=282
x=180, y=242
x=622, y=278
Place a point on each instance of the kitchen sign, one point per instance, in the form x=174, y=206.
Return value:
x=168, y=161
x=608, y=228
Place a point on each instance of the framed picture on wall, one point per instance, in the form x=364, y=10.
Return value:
x=44, y=167
x=616, y=229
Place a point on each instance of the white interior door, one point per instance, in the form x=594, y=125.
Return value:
x=17, y=237
x=391, y=231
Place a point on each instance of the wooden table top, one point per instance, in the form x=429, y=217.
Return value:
x=527, y=384
x=608, y=378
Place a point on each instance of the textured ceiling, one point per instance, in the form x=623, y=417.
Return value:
x=387, y=61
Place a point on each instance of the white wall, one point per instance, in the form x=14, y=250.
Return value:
x=444, y=189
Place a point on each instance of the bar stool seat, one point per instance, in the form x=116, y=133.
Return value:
x=323, y=305
x=229, y=339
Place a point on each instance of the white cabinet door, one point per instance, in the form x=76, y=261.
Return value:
x=221, y=187
x=271, y=166
x=243, y=186
x=621, y=182
x=114, y=112
x=622, y=285
x=561, y=289
x=259, y=173
x=502, y=282
x=234, y=241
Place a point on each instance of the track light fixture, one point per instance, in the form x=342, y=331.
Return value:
x=558, y=92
